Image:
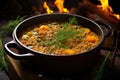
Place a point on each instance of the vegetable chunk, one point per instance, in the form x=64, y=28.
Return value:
x=91, y=38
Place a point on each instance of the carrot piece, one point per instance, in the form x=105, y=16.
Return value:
x=91, y=38
x=44, y=27
x=69, y=51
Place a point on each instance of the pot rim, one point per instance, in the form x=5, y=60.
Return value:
x=15, y=38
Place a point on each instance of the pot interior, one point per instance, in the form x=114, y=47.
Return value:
x=58, y=18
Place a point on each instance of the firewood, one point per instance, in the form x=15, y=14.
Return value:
x=92, y=8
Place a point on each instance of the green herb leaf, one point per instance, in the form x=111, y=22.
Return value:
x=6, y=30
x=10, y=25
x=3, y=64
x=100, y=71
x=64, y=34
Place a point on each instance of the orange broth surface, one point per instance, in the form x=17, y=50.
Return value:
x=52, y=38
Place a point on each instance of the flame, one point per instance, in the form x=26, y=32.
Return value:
x=105, y=6
x=49, y=11
x=60, y=6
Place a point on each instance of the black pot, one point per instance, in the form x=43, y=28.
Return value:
x=52, y=64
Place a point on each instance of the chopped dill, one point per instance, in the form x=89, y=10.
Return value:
x=63, y=35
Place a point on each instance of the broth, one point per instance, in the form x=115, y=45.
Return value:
x=56, y=38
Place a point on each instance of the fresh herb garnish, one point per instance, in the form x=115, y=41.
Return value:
x=100, y=71
x=2, y=58
x=5, y=31
x=63, y=35
x=10, y=25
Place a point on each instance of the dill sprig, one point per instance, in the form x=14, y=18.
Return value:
x=10, y=25
x=2, y=58
x=100, y=71
x=63, y=35
x=5, y=31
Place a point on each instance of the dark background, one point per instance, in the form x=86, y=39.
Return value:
x=10, y=8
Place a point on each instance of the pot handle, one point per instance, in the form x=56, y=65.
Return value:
x=106, y=28
x=13, y=50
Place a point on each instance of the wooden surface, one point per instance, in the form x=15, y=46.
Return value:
x=17, y=71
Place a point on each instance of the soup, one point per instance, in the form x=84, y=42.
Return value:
x=59, y=38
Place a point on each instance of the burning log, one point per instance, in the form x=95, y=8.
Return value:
x=90, y=10
x=93, y=9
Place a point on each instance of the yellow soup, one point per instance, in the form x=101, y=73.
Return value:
x=59, y=38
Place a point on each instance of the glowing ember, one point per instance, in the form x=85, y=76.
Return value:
x=105, y=6
x=60, y=6
x=47, y=8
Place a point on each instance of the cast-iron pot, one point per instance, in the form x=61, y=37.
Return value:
x=52, y=64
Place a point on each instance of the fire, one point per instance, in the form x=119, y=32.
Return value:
x=59, y=4
x=105, y=6
x=49, y=11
